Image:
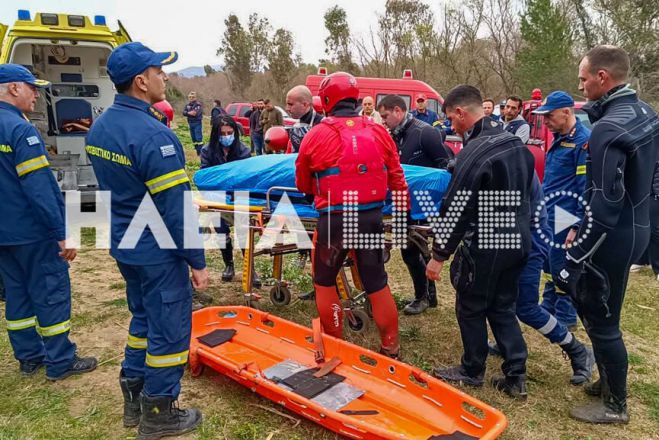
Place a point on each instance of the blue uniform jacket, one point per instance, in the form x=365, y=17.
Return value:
x=33, y=206
x=429, y=117
x=134, y=154
x=193, y=106
x=565, y=170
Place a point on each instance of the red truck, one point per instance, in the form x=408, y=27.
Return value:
x=238, y=110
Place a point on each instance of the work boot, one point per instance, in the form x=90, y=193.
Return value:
x=229, y=272
x=79, y=366
x=416, y=307
x=30, y=368
x=131, y=387
x=161, y=417
x=605, y=411
x=458, y=375
x=256, y=280
x=514, y=386
x=307, y=296
x=385, y=315
x=493, y=349
x=582, y=360
x=594, y=388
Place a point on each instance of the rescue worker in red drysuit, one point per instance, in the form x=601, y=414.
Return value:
x=347, y=152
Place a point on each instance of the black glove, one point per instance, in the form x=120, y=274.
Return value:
x=567, y=280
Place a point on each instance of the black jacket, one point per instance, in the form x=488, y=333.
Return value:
x=622, y=153
x=491, y=160
x=215, y=156
x=421, y=144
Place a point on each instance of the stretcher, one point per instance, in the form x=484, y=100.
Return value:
x=348, y=389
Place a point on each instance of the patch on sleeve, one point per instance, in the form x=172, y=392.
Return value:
x=168, y=150
x=32, y=140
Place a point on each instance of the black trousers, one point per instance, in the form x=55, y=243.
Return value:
x=331, y=250
x=601, y=314
x=492, y=297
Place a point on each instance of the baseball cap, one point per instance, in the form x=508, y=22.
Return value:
x=131, y=59
x=421, y=97
x=555, y=100
x=16, y=73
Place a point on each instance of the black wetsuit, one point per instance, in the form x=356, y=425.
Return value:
x=489, y=267
x=622, y=153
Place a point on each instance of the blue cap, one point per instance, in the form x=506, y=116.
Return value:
x=555, y=100
x=16, y=73
x=131, y=59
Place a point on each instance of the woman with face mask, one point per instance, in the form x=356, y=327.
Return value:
x=225, y=146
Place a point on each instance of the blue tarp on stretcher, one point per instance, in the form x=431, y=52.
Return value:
x=260, y=173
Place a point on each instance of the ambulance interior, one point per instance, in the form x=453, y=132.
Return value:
x=80, y=90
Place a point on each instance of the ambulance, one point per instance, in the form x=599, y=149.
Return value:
x=70, y=51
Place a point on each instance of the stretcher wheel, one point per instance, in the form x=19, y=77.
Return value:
x=359, y=321
x=280, y=295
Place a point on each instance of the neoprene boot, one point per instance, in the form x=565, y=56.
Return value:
x=608, y=410
x=582, y=360
x=330, y=310
x=131, y=387
x=161, y=417
x=385, y=315
x=432, y=295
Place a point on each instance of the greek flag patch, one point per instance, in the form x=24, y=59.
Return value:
x=32, y=140
x=167, y=150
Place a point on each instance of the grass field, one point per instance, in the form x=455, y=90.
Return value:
x=90, y=406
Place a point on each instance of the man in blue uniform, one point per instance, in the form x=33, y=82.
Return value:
x=140, y=161
x=620, y=166
x=194, y=111
x=564, y=183
x=423, y=113
x=33, y=252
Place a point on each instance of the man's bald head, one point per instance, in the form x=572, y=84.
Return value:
x=298, y=101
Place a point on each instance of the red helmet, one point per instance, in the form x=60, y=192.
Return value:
x=536, y=94
x=276, y=138
x=165, y=107
x=337, y=87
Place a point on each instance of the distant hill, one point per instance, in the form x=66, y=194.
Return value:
x=192, y=71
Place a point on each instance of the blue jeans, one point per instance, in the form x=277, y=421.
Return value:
x=257, y=143
x=160, y=300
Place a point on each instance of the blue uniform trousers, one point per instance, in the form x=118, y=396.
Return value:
x=560, y=306
x=528, y=309
x=196, y=135
x=160, y=300
x=38, y=308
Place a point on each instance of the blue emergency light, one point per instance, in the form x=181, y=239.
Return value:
x=99, y=20
x=24, y=14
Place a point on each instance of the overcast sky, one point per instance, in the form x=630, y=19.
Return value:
x=194, y=28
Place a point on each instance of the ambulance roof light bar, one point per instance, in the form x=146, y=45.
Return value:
x=24, y=15
x=99, y=20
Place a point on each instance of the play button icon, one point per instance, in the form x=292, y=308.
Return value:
x=563, y=219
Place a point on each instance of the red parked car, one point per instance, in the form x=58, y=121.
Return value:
x=238, y=110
